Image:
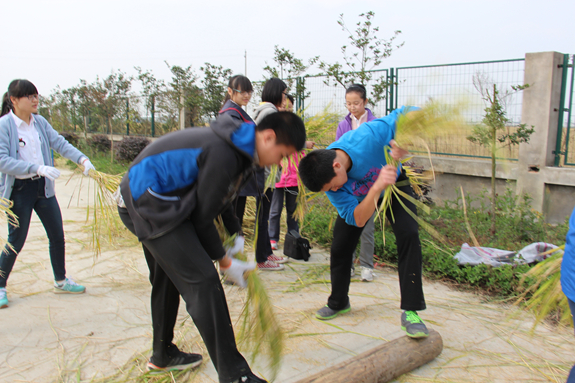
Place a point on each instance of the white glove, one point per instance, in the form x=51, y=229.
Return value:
x=236, y=271
x=88, y=166
x=48, y=172
x=238, y=246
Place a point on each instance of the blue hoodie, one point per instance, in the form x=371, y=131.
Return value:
x=568, y=263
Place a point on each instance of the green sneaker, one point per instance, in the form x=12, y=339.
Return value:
x=68, y=287
x=3, y=298
x=325, y=313
x=412, y=324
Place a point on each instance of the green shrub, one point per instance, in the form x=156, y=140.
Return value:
x=100, y=143
x=71, y=137
x=130, y=147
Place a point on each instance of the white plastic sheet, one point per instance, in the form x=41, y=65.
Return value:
x=496, y=257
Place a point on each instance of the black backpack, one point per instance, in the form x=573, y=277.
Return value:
x=295, y=246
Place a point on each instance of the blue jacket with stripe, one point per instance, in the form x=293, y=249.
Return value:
x=190, y=174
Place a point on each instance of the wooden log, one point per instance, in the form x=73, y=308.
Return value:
x=383, y=363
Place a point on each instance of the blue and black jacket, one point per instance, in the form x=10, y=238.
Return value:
x=254, y=186
x=190, y=174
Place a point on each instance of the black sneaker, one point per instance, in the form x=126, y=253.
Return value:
x=182, y=361
x=250, y=378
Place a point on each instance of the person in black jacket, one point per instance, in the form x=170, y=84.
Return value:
x=239, y=94
x=169, y=198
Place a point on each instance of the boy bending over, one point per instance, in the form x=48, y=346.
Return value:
x=353, y=173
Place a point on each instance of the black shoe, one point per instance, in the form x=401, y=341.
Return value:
x=182, y=361
x=250, y=378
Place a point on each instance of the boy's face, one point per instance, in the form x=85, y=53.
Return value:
x=339, y=180
x=270, y=152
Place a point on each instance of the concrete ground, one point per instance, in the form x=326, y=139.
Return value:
x=105, y=334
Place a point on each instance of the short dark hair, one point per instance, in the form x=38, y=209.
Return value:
x=291, y=99
x=239, y=82
x=273, y=90
x=288, y=127
x=316, y=169
x=357, y=88
x=17, y=88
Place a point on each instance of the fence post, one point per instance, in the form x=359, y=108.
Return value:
x=561, y=109
x=153, y=112
x=390, y=91
x=127, y=117
x=543, y=73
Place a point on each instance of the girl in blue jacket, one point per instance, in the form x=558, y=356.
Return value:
x=27, y=175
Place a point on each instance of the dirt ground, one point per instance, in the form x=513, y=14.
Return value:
x=104, y=335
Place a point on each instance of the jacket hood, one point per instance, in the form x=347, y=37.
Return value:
x=263, y=109
x=238, y=134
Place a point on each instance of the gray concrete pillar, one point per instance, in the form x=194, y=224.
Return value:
x=540, y=109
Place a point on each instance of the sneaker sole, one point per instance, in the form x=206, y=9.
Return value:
x=58, y=291
x=4, y=307
x=334, y=315
x=153, y=369
x=416, y=335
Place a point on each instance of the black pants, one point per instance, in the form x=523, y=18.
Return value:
x=277, y=206
x=263, y=203
x=179, y=265
x=405, y=228
x=263, y=245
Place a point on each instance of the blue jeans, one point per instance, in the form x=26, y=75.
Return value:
x=28, y=196
x=571, y=378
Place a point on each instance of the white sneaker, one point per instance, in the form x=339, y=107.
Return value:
x=366, y=274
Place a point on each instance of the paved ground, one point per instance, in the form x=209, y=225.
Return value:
x=104, y=335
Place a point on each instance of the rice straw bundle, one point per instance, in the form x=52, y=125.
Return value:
x=103, y=216
x=5, y=211
x=417, y=127
x=259, y=329
x=546, y=289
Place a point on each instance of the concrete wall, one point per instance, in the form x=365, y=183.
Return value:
x=558, y=197
x=552, y=188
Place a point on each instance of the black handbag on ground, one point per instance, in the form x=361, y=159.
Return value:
x=295, y=246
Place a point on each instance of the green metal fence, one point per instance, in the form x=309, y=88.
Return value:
x=564, y=137
x=449, y=84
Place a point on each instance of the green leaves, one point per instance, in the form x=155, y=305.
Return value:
x=366, y=52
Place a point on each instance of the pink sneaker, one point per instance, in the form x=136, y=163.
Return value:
x=274, y=245
x=277, y=259
x=270, y=266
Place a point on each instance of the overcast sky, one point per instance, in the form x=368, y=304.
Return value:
x=59, y=42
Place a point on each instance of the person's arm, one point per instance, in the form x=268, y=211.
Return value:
x=364, y=210
x=8, y=164
x=59, y=143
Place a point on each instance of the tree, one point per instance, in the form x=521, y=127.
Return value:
x=367, y=52
x=289, y=68
x=152, y=88
x=185, y=94
x=493, y=129
x=214, y=88
x=109, y=96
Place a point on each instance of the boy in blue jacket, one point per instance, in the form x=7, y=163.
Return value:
x=350, y=172
x=170, y=197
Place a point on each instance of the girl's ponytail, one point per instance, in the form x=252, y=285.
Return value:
x=6, y=104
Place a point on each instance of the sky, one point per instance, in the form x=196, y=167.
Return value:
x=58, y=42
